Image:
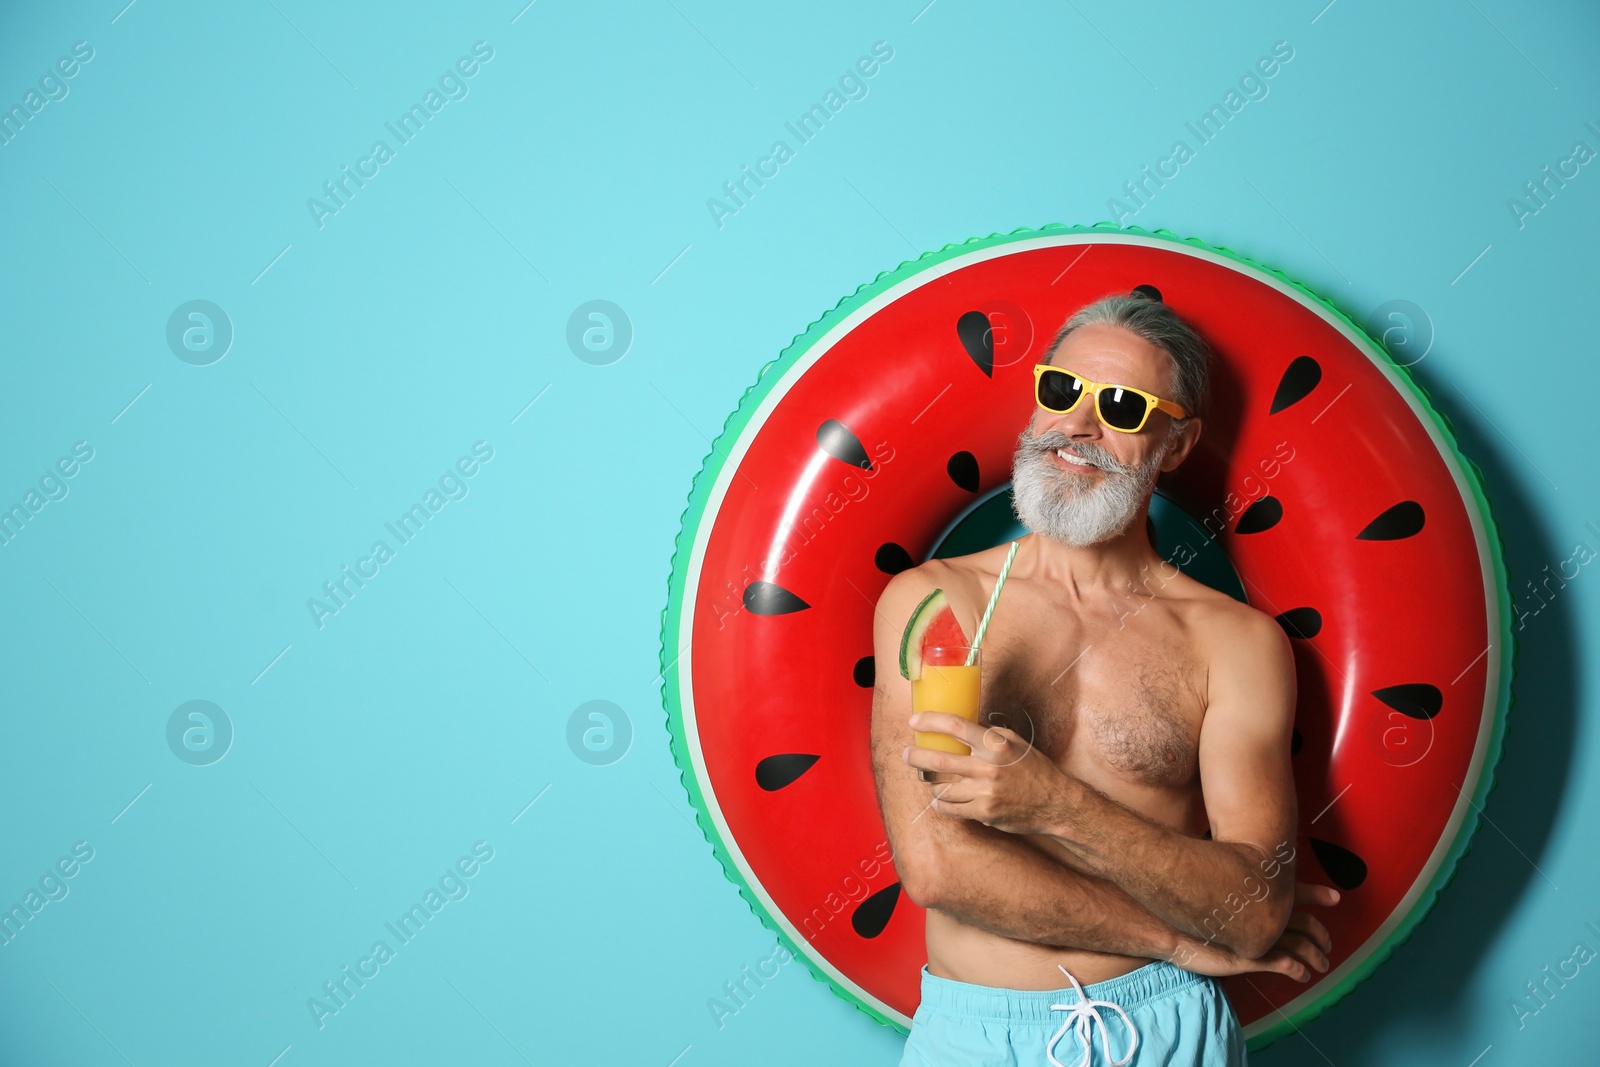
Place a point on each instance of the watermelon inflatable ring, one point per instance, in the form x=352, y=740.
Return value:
x=883, y=435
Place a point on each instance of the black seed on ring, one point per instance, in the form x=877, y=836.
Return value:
x=1264, y=514
x=872, y=914
x=835, y=438
x=977, y=337
x=1402, y=520
x=892, y=559
x=1416, y=699
x=769, y=598
x=1301, y=622
x=1347, y=869
x=775, y=772
x=963, y=470
x=865, y=672
x=1299, y=379
x=1149, y=291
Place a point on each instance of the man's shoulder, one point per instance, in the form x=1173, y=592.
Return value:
x=1230, y=628
x=915, y=583
x=962, y=579
x=1226, y=618
x=957, y=574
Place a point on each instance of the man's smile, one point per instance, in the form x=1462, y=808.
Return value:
x=1069, y=459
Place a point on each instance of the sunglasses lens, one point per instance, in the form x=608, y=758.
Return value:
x=1121, y=409
x=1059, y=390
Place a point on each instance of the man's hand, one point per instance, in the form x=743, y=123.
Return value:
x=1305, y=938
x=1302, y=947
x=1005, y=783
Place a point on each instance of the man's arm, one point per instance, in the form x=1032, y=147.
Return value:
x=980, y=875
x=1236, y=889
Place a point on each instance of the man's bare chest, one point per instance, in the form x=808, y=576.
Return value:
x=1128, y=709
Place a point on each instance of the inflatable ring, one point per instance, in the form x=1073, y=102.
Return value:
x=1332, y=485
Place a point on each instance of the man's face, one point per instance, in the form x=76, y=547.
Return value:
x=1092, y=501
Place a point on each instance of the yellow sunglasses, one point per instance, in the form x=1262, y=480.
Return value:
x=1121, y=407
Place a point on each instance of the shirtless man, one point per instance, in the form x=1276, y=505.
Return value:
x=1127, y=711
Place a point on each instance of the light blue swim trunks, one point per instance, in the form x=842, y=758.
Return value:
x=1158, y=1014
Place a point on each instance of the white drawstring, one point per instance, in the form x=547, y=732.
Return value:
x=1082, y=1013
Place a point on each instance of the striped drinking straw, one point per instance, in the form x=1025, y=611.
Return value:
x=994, y=598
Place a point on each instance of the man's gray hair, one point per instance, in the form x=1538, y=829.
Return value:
x=1147, y=317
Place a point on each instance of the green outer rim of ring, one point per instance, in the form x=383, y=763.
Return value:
x=672, y=623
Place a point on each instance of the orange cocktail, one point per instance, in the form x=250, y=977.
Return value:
x=949, y=684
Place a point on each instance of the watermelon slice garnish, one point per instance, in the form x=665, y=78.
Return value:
x=933, y=625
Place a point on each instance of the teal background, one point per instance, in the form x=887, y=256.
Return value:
x=371, y=753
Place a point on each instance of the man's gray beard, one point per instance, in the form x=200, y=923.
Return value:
x=1067, y=507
